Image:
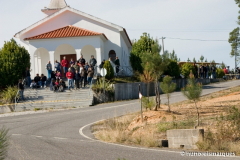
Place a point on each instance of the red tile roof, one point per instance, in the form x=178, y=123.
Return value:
x=68, y=31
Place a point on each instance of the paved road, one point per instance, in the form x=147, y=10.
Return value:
x=66, y=135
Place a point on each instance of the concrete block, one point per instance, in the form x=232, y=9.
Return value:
x=184, y=138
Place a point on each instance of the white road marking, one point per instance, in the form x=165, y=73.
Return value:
x=140, y=148
x=37, y=136
x=82, y=134
x=16, y=134
x=59, y=138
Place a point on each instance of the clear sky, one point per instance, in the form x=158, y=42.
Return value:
x=185, y=19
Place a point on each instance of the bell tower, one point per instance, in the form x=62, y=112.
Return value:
x=54, y=6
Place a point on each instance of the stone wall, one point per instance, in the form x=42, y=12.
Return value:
x=127, y=91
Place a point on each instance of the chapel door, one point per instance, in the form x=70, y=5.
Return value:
x=68, y=57
x=112, y=55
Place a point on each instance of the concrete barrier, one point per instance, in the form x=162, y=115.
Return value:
x=184, y=138
x=127, y=91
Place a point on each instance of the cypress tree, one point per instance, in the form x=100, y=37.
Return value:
x=13, y=62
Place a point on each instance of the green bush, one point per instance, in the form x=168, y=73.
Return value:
x=4, y=142
x=148, y=103
x=173, y=70
x=220, y=73
x=8, y=94
x=13, y=62
x=110, y=72
x=186, y=69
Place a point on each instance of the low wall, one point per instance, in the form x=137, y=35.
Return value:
x=6, y=109
x=184, y=138
x=127, y=91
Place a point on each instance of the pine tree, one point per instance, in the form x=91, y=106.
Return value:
x=156, y=64
x=201, y=58
x=188, y=60
x=14, y=60
x=168, y=87
x=193, y=91
x=194, y=60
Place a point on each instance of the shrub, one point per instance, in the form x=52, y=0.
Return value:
x=173, y=69
x=148, y=103
x=220, y=73
x=13, y=62
x=186, y=69
x=227, y=135
x=8, y=94
x=110, y=72
x=4, y=138
x=98, y=87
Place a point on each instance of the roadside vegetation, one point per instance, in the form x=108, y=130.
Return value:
x=4, y=142
x=219, y=117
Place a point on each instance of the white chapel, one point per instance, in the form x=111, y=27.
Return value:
x=68, y=32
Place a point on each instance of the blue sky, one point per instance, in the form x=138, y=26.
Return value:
x=186, y=19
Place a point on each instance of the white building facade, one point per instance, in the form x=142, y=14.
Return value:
x=68, y=32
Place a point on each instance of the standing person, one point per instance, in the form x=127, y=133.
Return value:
x=65, y=64
x=49, y=69
x=86, y=66
x=21, y=89
x=204, y=71
x=117, y=63
x=72, y=68
x=225, y=70
x=28, y=76
x=69, y=76
x=102, y=64
x=207, y=69
x=196, y=70
x=43, y=81
x=76, y=66
x=77, y=78
x=213, y=69
x=90, y=75
x=201, y=71
x=57, y=66
x=82, y=61
x=92, y=61
x=72, y=62
x=82, y=74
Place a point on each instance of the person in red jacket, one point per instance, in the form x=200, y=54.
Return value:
x=225, y=70
x=69, y=76
x=65, y=64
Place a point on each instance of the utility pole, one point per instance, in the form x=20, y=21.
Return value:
x=163, y=44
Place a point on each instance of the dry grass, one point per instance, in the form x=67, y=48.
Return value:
x=216, y=113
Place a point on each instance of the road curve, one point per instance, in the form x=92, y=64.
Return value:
x=64, y=135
